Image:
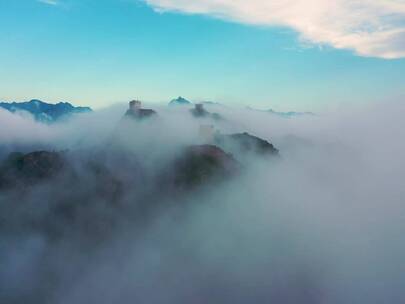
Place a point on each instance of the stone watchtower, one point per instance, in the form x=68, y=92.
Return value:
x=135, y=106
x=199, y=107
x=135, y=111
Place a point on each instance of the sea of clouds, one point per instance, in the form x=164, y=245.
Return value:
x=322, y=223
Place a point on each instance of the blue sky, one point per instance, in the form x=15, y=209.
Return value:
x=100, y=52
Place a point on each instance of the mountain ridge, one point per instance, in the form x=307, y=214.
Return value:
x=44, y=111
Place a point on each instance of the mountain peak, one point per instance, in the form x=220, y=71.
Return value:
x=180, y=101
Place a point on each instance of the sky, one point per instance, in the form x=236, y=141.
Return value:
x=286, y=55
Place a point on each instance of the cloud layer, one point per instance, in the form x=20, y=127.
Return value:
x=320, y=224
x=372, y=28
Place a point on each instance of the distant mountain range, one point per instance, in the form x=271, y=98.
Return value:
x=180, y=101
x=283, y=114
x=290, y=114
x=43, y=111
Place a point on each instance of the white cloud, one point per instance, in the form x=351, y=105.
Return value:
x=372, y=28
x=323, y=223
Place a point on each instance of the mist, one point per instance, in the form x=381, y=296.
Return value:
x=320, y=223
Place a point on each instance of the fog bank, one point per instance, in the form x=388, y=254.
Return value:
x=322, y=223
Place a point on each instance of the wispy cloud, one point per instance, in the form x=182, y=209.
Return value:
x=49, y=2
x=372, y=28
